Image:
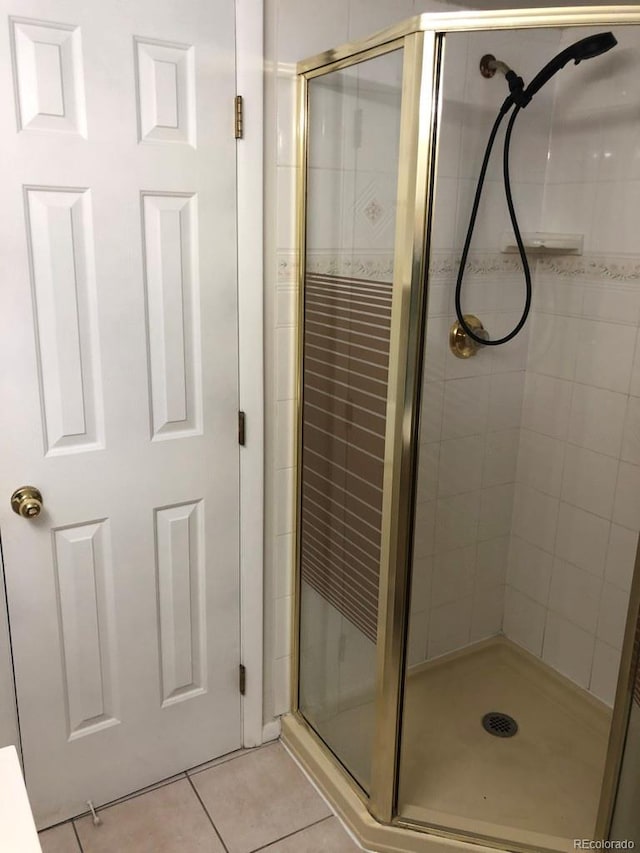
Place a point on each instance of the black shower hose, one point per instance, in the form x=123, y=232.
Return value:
x=514, y=223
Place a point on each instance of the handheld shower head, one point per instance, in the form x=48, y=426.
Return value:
x=586, y=48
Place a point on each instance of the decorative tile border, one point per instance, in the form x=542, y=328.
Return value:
x=379, y=266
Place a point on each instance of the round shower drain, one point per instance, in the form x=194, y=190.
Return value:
x=500, y=725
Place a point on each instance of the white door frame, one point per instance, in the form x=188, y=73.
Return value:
x=250, y=83
x=249, y=70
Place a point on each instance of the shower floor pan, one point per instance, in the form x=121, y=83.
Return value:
x=539, y=787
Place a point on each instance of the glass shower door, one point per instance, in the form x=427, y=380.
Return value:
x=352, y=161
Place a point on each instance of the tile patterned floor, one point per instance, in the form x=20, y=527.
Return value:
x=252, y=800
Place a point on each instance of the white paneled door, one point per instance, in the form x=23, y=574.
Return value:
x=119, y=389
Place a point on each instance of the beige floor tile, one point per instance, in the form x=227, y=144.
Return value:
x=167, y=820
x=60, y=839
x=258, y=798
x=324, y=837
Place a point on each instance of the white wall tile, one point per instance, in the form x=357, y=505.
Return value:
x=568, y=208
x=613, y=615
x=604, y=675
x=575, y=594
x=621, y=556
x=535, y=517
x=568, y=648
x=553, y=296
x=597, y=419
x=491, y=562
x=284, y=500
x=612, y=304
x=457, y=521
x=487, y=613
x=285, y=363
x=284, y=566
x=286, y=306
x=450, y=626
x=604, y=355
x=524, y=620
x=626, y=510
x=281, y=677
x=529, y=570
x=582, y=538
x=305, y=29
x=546, y=404
x=284, y=434
x=616, y=209
x=285, y=119
x=505, y=400
x=283, y=627
x=368, y=16
x=286, y=195
x=631, y=438
x=466, y=406
x=496, y=511
x=453, y=575
x=461, y=461
x=500, y=457
x=634, y=386
x=553, y=345
x=589, y=480
x=540, y=460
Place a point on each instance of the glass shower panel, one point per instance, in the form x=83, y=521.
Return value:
x=626, y=817
x=528, y=473
x=353, y=138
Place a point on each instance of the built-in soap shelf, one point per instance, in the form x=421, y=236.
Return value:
x=544, y=242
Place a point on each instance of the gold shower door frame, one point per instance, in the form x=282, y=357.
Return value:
x=421, y=38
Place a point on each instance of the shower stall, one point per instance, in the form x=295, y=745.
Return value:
x=466, y=607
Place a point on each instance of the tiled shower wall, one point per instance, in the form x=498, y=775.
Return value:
x=472, y=408
x=577, y=508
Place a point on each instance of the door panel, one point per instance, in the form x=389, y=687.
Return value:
x=118, y=390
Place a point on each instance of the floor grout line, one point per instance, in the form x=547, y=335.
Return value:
x=291, y=834
x=214, y=827
x=178, y=777
x=75, y=832
x=233, y=756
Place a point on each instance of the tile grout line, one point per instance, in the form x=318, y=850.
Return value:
x=210, y=819
x=155, y=786
x=75, y=832
x=291, y=834
x=193, y=771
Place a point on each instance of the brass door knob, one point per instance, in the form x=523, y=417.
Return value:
x=27, y=501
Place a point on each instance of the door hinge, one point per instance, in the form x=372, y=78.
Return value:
x=239, y=117
x=241, y=428
x=242, y=679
